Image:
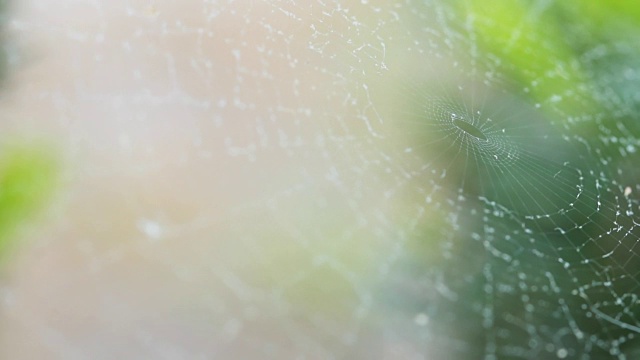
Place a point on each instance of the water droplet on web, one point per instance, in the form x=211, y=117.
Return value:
x=151, y=228
x=562, y=353
x=421, y=319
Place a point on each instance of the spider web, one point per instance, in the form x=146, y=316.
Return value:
x=321, y=179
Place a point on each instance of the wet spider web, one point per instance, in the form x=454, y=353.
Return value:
x=415, y=179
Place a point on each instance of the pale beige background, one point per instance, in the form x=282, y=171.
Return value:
x=223, y=197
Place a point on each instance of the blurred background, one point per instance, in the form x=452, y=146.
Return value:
x=319, y=179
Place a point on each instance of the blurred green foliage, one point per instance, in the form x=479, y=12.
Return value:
x=27, y=172
x=27, y=179
x=535, y=49
x=604, y=16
